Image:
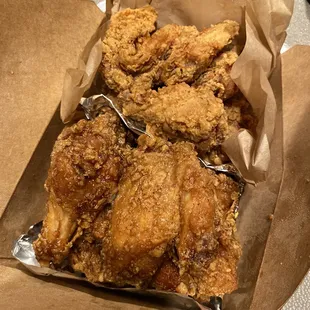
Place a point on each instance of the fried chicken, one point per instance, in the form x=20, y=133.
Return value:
x=206, y=237
x=217, y=77
x=167, y=277
x=137, y=60
x=181, y=112
x=171, y=226
x=170, y=55
x=145, y=219
x=152, y=49
x=127, y=30
x=86, y=164
x=159, y=46
x=240, y=114
x=151, y=216
x=192, y=56
x=85, y=255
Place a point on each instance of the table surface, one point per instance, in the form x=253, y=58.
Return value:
x=299, y=33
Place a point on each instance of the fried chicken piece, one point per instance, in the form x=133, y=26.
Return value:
x=170, y=55
x=217, y=77
x=171, y=226
x=127, y=29
x=159, y=46
x=167, y=277
x=145, y=219
x=240, y=115
x=192, y=56
x=151, y=49
x=207, y=249
x=85, y=255
x=133, y=53
x=220, y=276
x=86, y=164
x=181, y=112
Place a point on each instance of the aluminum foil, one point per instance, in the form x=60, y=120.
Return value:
x=23, y=250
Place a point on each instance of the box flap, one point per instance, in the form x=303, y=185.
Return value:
x=32, y=66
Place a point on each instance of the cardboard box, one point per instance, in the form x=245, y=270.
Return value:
x=40, y=40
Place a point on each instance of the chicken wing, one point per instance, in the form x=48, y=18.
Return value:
x=180, y=112
x=192, y=56
x=86, y=164
x=207, y=249
x=217, y=77
x=145, y=219
x=128, y=29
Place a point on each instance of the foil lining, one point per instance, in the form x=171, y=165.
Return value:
x=23, y=248
x=23, y=251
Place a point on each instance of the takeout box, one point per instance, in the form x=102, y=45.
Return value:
x=273, y=223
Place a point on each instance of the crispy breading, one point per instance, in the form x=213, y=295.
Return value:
x=152, y=216
x=217, y=77
x=207, y=249
x=171, y=226
x=181, y=112
x=145, y=219
x=240, y=114
x=126, y=29
x=86, y=165
x=167, y=56
x=167, y=277
x=192, y=56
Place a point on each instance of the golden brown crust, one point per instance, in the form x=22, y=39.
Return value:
x=240, y=114
x=167, y=277
x=145, y=219
x=207, y=248
x=182, y=112
x=136, y=59
x=171, y=225
x=217, y=77
x=192, y=56
x=127, y=28
x=86, y=164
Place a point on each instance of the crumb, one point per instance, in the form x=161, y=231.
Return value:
x=270, y=217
